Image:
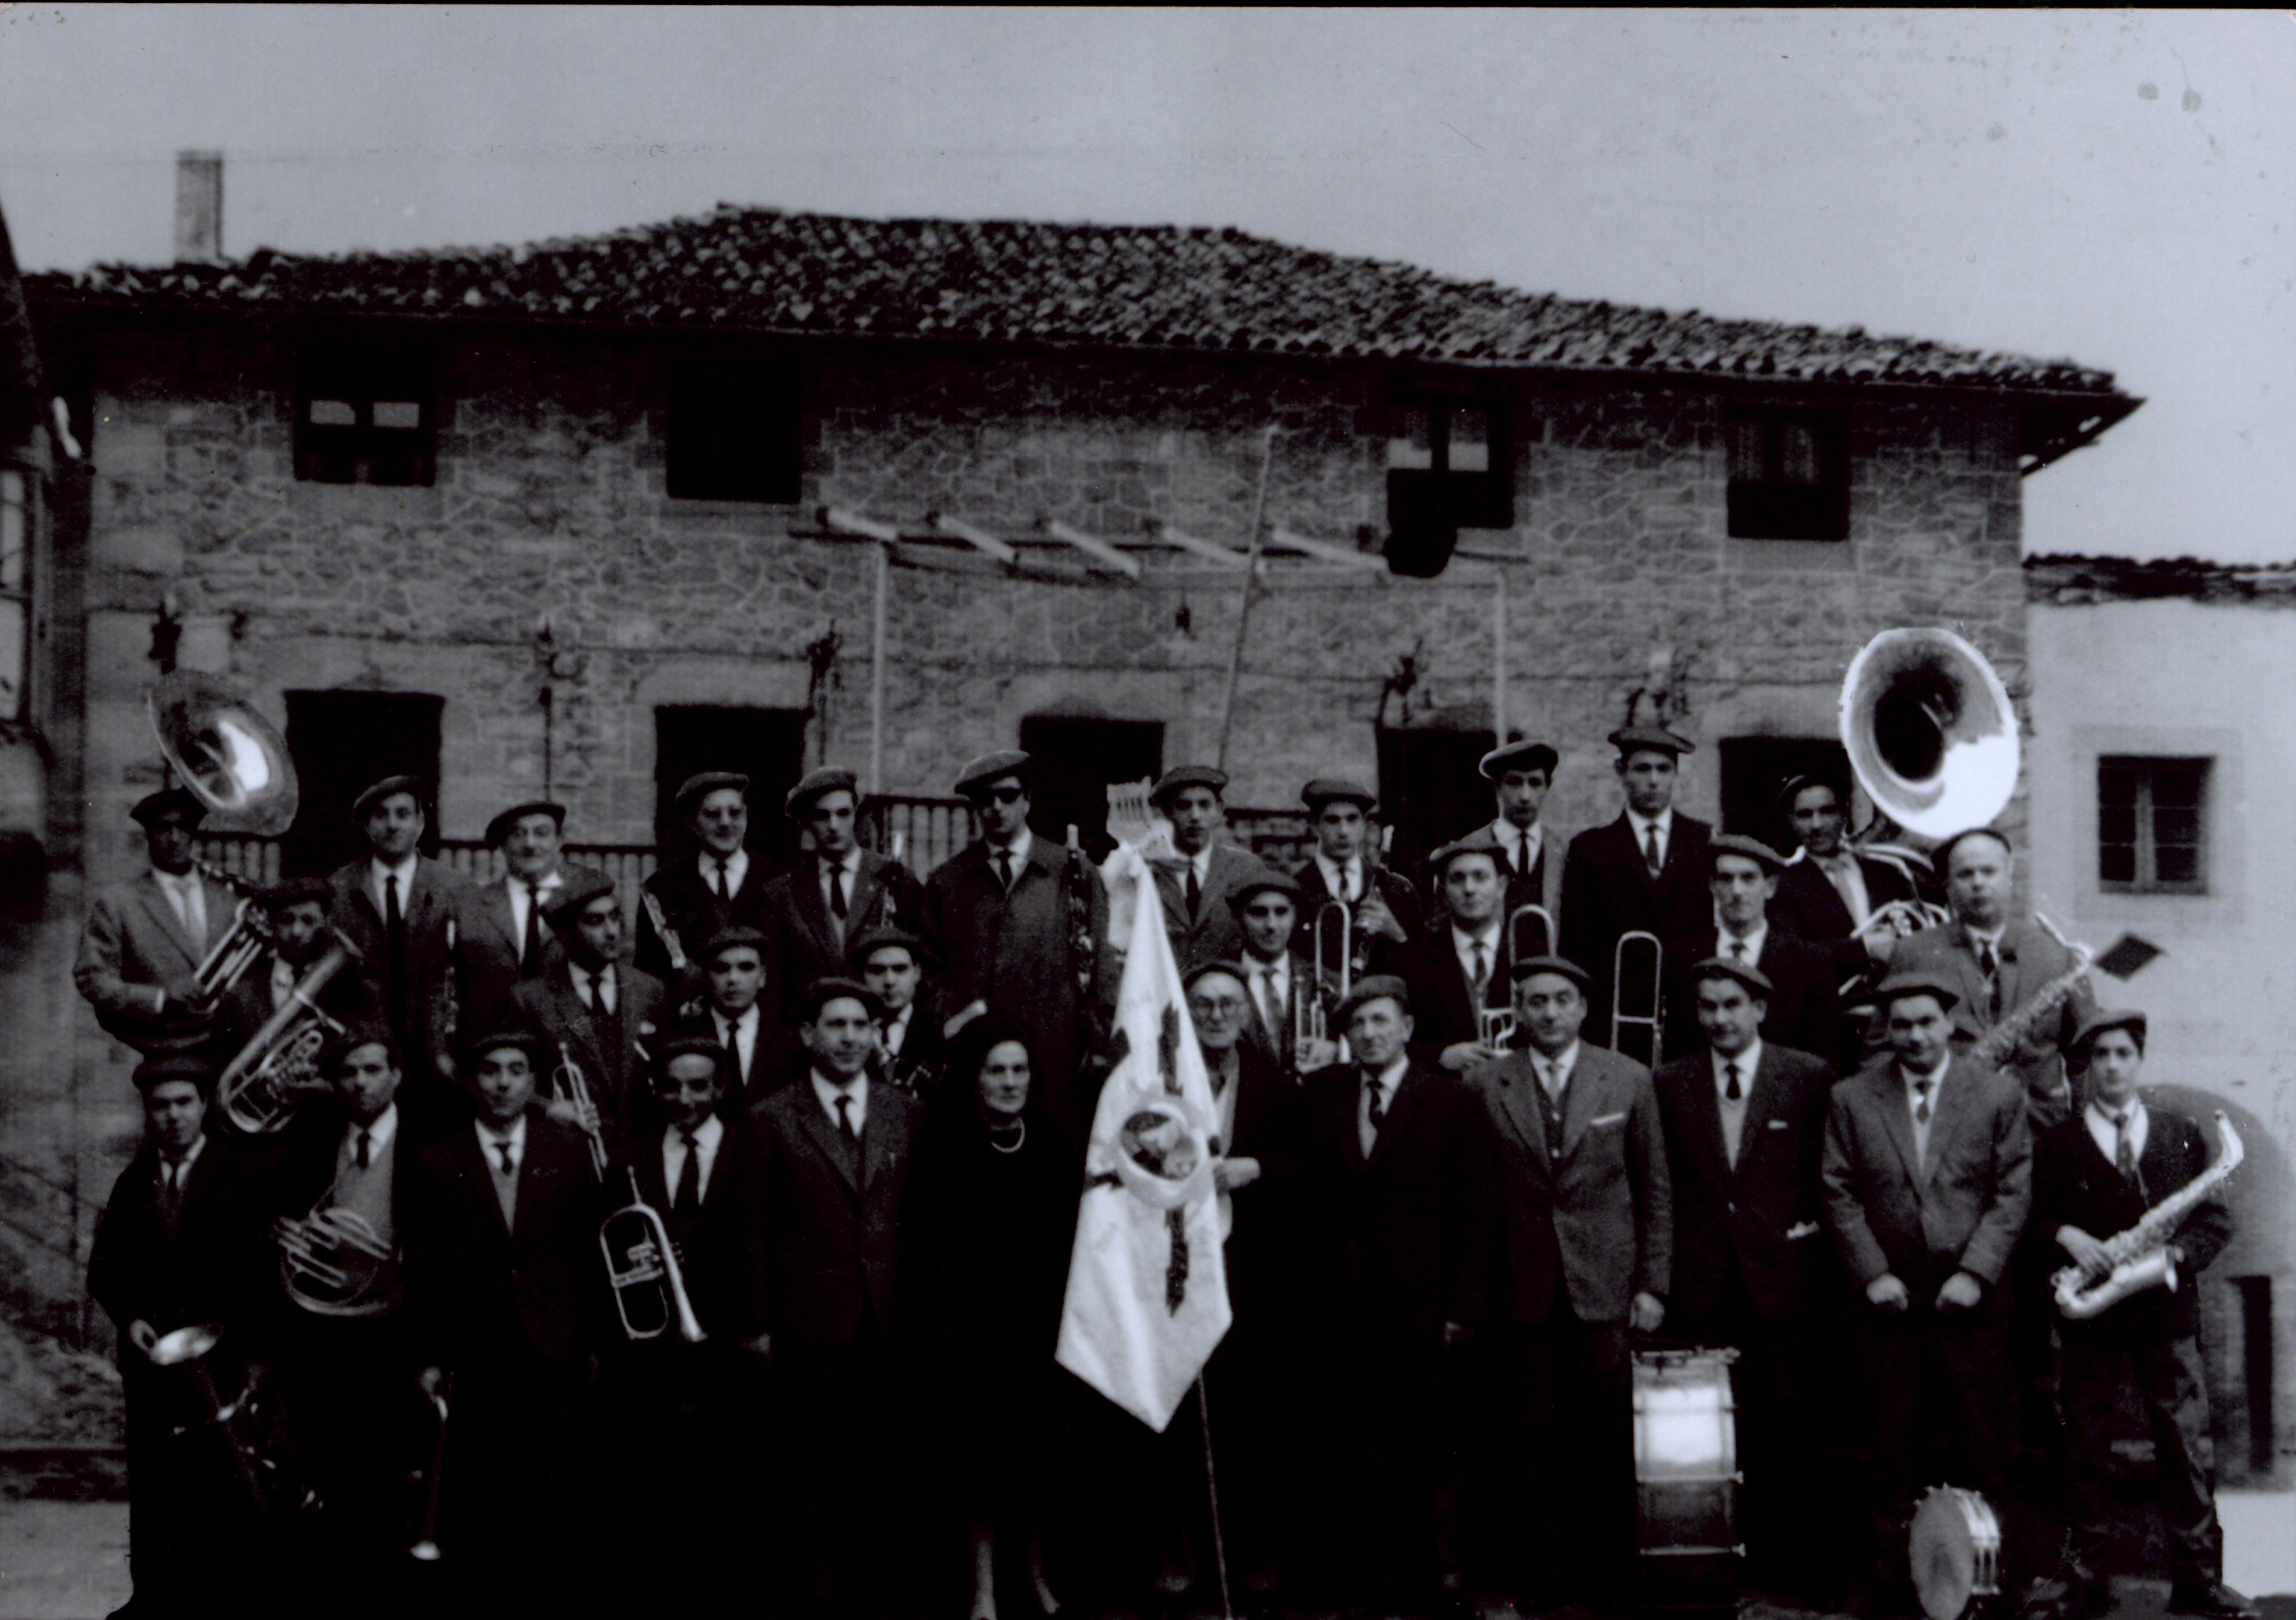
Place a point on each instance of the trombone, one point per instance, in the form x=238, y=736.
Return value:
x=1544, y=939
x=1332, y=964
x=1650, y=992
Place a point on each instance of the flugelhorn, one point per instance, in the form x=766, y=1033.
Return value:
x=641, y=1264
x=277, y=1071
x=1929, y=731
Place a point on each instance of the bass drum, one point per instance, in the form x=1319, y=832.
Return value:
x=1686, y=1480
x=1955, y=1550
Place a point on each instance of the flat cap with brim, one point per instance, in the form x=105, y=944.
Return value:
x=1793, y=787
x=1746, y=849
x=1899, y=985
x=1218, y=964
x=295, y=891
x=1517, y=756
x=574, y=897
x=2076, y=1050
x=837, y=988
x=364, y=805
x=1475, y=843
x=1755, y=980
x=694, y=1039
x=162, y=1067
x=699, y=785
x=866, y=945
x=500, y=827
x=797, y=804
x=524, y=1040
x=1372, y=987
x=333, y=1055
x=1631, y=739
x=1325, y=790
x=1530, y=967
x=1005, y=762
x=168, y=802
x=727, y=938
x=1187, y=775
x=1269, y=882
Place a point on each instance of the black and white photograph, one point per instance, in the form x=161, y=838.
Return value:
x=1220, y=814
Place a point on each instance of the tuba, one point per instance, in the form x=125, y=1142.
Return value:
x=233, y=760
x=1929, y=731
x=2138, y=1259
x=277, y=1071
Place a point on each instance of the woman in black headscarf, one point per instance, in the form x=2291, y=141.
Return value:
x=993, y=1214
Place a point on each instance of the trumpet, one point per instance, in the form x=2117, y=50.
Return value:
x=641, y=1264
x=1647, y=949
x=333, y=1263
x=277, y=1071
x=568, y=1086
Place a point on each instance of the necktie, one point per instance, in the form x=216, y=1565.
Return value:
x=1650, y=857
x=725, y=884
x=508, y=1167
x=598, y=996
x=173, y=888
x=2123, y=1151
x=1551, y=1077
x=1271, y=1005
x=1375, y=1099
x=1482, y=972
x=1920, y=1102
x=1194, y=893
x=1991, y=964
x=844, y=1120
x=1348, y=884
x=837, y=892
x=1738, y=949
x=1732, y=1092
x=685, y=1202
x=394, y=935
x=530, y=955
x=170, y=1198
x=1005, y=870
x=366, y=1149
x=733, y=1045
x=1522, y=855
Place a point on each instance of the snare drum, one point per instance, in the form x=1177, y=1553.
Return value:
x=1955, y=1550
x=1686, y=1479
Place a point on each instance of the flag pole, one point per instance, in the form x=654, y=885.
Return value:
x=1211, y=1492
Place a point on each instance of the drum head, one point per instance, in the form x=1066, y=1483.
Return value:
x=1944, y=1556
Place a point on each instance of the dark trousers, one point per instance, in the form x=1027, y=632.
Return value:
x=1562, y=1520
x=1250, y=1411
x=2165, y=1369
x=1939, y=1396
x=834, y=1411
x=684, y=1502
x=1385, y=1480
x=515, y=1502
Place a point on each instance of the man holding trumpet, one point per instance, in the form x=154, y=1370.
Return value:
x=1287, y=1012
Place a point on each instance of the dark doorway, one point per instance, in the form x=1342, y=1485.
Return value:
x=1755, y=768
x=766, y=745
x=1429, y=789
x=341, y=745
x=1076, y=761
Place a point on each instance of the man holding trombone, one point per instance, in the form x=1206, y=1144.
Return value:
x=1385, y=906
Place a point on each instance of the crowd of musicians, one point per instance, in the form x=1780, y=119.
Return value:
x=857, y=1101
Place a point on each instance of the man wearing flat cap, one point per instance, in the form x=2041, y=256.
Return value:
x=720, y=885
x=1345, y=866
x=1458, y=970
x=1017, y=923
x=297, y=909
x=1644, y=873
x=837, y=892
x=1804, y=1001
x=1519, y=774
x=144, y=940
x=503, y=937
x=1397, y=1223
x=402, y=909
x=1195, y=886
x=1586, y=1225
x=1745, y=1122
x=1830, y=889
x=1278, y=981
x=595, y=1008
x=2095, y=1175
x=910, y=1048
x=1928, y=1176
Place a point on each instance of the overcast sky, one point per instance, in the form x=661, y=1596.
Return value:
x=2115, y=187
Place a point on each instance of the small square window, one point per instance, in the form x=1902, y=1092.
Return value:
x=1449, y=466
x=366, y=412
x=735, y=430
x=1789, y=476
x=2152, y=825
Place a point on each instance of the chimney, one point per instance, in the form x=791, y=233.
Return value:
x=199, y=208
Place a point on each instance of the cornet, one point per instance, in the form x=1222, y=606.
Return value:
x=641, y=1264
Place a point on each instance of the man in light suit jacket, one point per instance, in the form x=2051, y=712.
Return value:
x=1745, y=1128
x=1928, y=1176
x=503, y=937
x=812, y=914
x=834, y=1152
x=144, y=940
x=1195, y=887
x=1586, y=1226
x=1520, y=775
x=401, y=909
x=1644, y=873
x=597, y=1010
x=1805, y=1007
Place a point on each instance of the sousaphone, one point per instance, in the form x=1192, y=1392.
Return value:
x=231, y=759
x=1929, y=731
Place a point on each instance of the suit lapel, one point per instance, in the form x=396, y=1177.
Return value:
x=1517, y=1078
x=497, y=915
x=883, y=1134
x=1888, y=1091
x=163, y=916
x=813, y=1119
x=1762, y=1095
x=1952, y=1104
x=1400, y=1110
x=868, y=891
x=1587, y=1095
x=1705, y=1113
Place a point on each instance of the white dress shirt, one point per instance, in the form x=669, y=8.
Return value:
x=1664, y=822
x=1849, y=881
x=734, y=867
x=851, y=865
x=188, y=900
x=1342, y=880
x=896, y=1030
x=1936, y=1081
x=175, y=1173
x=1555, y=1072
x=1510, y=839
x=492, y=1140
x=828, y=1091
x=744, y=1035
x=1734, y=1113
x=2099, y=1119
x=519, y=901
x=404, y=872
x=1465, y=945
x=708, y=1135
x=282, y=981
x=609, y=995
x=1271, y=990
x=379, y=1137
x=1019, y=850
x=1385, y=1085
x=1725, y=940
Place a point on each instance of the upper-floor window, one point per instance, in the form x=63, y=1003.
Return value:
x=1789, y=476
x=366, y=412
x=16, y=602
x=1449, y=466
x=2152, y=825
x=735, y=428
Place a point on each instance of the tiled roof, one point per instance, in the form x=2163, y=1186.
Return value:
x=2074, y=581
x=1008, y=281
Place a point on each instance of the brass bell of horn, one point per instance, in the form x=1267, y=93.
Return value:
x=1929, y=731
x=231, y=759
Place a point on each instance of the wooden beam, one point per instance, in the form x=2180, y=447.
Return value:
x=1338, y=556
x=940, y=523
x=843, y=522
x=1209, y=550
x=1100, y=550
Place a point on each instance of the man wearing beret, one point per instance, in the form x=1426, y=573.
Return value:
x=144, y=940
x=1804, y=998
x=401, y=909
x=1520, y=775
x=1278, y=981
x=1829, y=890
x=1458, y=970
x=1745, y=1122
x=1018, y=923
x=910, y=1048
x=720, y=885
x=1195, y=886
x=1586, y=1226
x=1345, y=866
x=837, y=892
x=503, y=939
x=595, y=1008
x=2095, y=1175
x=1928, y=1176
x=733, y=1002
x=1397, y=1220
x=1644, y=873
x=299, y=935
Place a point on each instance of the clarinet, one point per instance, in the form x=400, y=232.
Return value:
x=1083, y=953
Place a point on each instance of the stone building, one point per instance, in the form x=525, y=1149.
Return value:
x=765, y=490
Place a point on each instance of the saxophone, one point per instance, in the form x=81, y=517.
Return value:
x=2138, y=1259
x=2000, y=1043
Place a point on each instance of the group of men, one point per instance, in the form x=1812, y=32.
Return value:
x=1464, y=1207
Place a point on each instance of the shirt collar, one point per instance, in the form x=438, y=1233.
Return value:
x=1748, y=1061
x=1991, y=937
x=1936, y=1076
x=1509, y=837
x=1392, y=1076
x=582, y=976
x=1488, y=937
x=1019, y=850
x=380, y=1133
x=489, y=1138
x=848, y=863
x=707, y=1136
x=404, y=871
x=191, y=1155
x=1334, y=870
x=1754, y=937
x=747, y=1015
x=187, y=879
x=553, y=879
x=828, y=1092
x=2136, y=1112
x=1664, y=821
x=735, y=865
